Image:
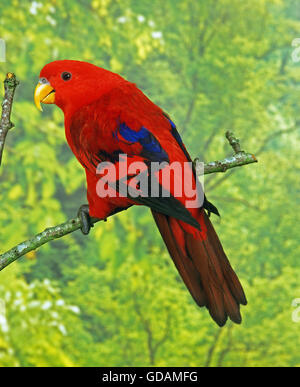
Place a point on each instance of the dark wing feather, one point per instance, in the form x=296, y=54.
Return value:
x=206, y=204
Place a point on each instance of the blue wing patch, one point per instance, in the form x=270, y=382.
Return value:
x=152, y=149
x=177, y=137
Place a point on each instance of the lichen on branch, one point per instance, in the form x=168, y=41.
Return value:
x=10, y=84
x=238, y=159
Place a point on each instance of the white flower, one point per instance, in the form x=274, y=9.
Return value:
x=34, y=304
x=60, y=302
x=74, y=309
x=62, y=329
x=122, y=19
x=55, y=315
x=51, y=20
x=17, y=302
x=3, y=324
x=141, y=18
x=46, y=305
x=156, y=34
x=7, y=296
x=34, y=7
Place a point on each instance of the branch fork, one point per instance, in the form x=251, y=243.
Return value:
x=238, y=159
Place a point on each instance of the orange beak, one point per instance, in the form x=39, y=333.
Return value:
x=43, y=93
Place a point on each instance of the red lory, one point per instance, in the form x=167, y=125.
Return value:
x=109, y=120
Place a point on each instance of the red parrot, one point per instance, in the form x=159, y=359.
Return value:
x=107, y=117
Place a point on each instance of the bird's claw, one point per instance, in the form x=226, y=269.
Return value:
x=85, y=219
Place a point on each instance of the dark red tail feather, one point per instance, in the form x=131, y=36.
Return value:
x=205, y=269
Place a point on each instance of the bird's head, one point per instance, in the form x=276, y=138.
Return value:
x=71, y=84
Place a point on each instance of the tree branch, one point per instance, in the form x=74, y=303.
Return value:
x=10, y=84
x=238, y=159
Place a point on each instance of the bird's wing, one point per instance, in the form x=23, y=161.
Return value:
x=103, y=131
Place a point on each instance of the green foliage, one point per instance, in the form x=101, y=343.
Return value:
x=114, y=297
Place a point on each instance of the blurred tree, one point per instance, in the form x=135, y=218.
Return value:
x=212, y=65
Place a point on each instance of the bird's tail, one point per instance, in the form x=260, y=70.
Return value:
x=204, y=268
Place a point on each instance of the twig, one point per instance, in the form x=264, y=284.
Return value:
x=38, y=240
x=238, y=159
x=10, y=84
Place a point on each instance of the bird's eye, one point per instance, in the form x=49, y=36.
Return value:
x=66, y=76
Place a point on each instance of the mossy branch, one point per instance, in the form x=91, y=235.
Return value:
x=10, y=84
x=238, y=159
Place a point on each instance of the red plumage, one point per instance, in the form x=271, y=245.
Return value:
x=105, y=115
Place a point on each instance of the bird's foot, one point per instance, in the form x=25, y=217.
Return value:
x=85, y=219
